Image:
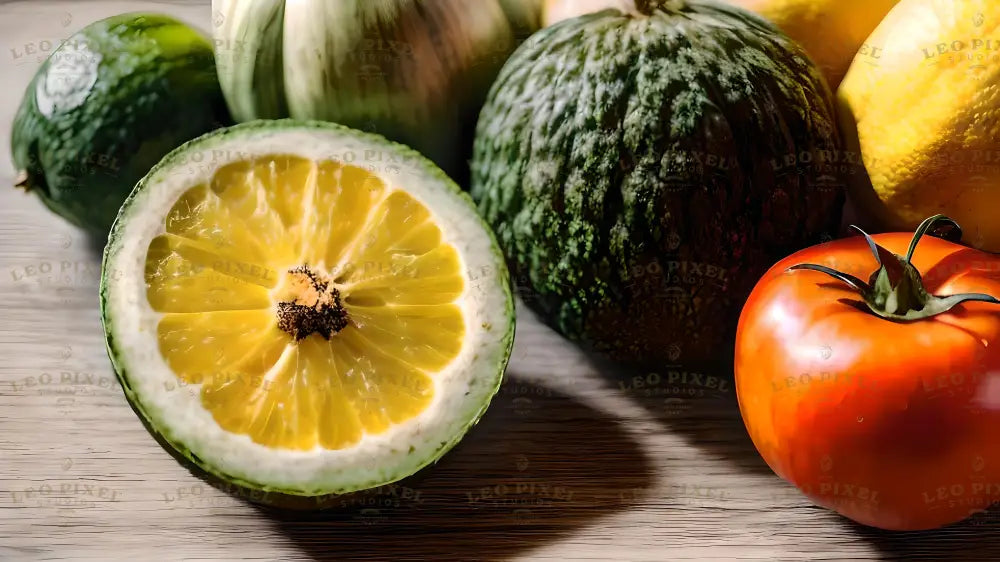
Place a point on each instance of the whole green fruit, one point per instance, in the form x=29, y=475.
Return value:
x=106, y=106
x=643, y=167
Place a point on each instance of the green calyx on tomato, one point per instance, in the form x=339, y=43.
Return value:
x=895, y=291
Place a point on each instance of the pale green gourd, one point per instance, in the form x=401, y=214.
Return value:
x=415, y=71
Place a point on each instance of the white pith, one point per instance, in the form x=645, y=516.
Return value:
x=462, y=389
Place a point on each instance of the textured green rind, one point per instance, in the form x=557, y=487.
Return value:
x=254, y=491
x=616, y=151
x=155, y=87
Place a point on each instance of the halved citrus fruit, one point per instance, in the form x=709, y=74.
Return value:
x=304, y=308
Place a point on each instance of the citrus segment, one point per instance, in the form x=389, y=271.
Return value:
x=178, y=282
x=244, y=197
x=345, y=197
x=393, y=219
x=425, y=336
x=227, y=344
x=199, y=215
x=427, y=279
x=282, y=178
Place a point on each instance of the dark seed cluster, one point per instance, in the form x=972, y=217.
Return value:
x=316, y=308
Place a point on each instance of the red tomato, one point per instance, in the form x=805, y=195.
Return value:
x=892, y=423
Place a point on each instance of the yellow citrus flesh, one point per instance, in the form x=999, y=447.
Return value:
x=233, y=251
x=923, y=109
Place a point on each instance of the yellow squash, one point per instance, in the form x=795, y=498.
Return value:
x=831, y=31
x=922, y=106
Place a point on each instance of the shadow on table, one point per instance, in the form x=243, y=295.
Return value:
x=537, y=466
x=95, y=245
x=697, y=404
x=976, y=538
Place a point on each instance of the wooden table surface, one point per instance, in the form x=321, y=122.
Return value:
x=571, y=462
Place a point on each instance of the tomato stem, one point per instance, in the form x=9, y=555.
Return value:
x=851, y=280
x=895, y=291
x=922, y=229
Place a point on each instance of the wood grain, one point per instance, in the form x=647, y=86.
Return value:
x=572, y=462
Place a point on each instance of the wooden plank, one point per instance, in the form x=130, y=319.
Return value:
x=572, y=462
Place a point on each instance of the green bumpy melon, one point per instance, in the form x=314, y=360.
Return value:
x=106, y=106
x=643, y=167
